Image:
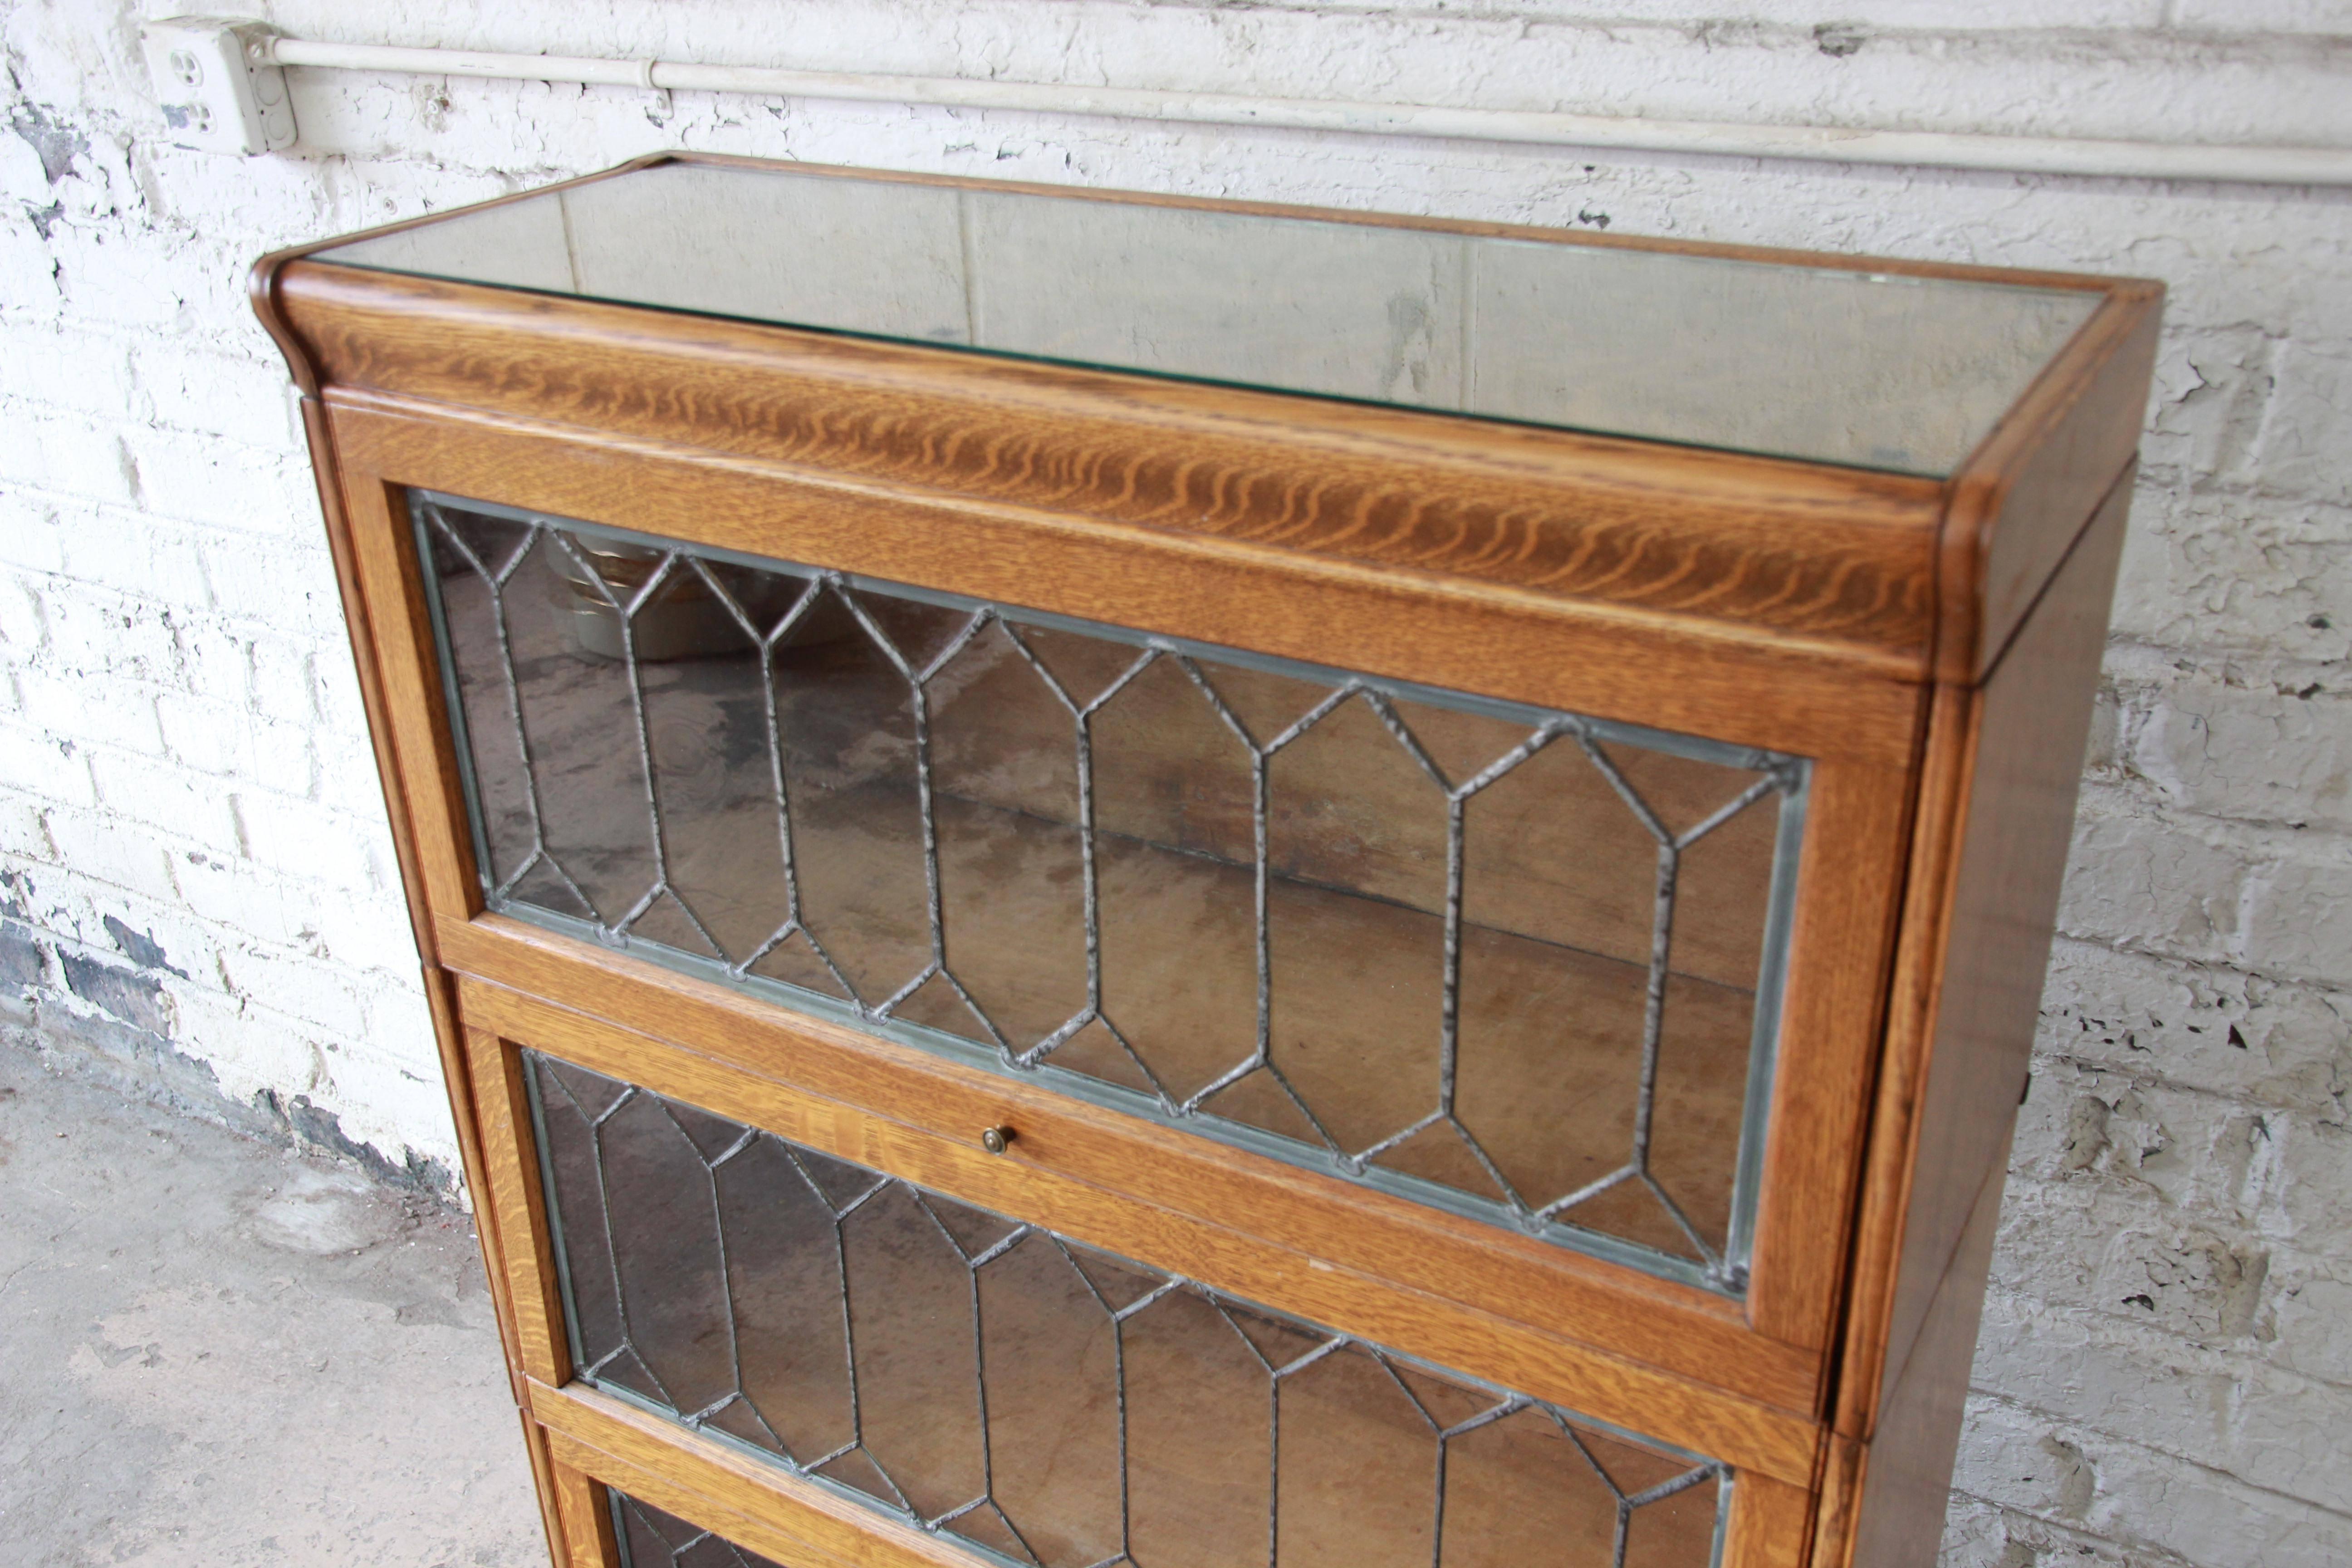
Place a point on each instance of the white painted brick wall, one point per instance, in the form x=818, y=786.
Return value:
x=192, y=847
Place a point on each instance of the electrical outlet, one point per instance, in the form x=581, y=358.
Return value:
x=218, y=89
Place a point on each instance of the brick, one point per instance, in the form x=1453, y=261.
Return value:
x=76, y=371
x=2299, y=917
x=2306, y=1184
x=370, y=934
x=1977, y=1534
x=74, y=455
x=2136, y=1497
x=319, y=994
x=22, y=831
x=115, y=712
x=2129, y=1380
x=298, y=838
x=400, y=1027
x=22, y=176
x=134, y=556
x=2308, y=431
x=109, y=849
x=162, y=937
x=381, y=1104
x=2261, y=15
x=28, y=278
x=336, y=685
x=228, y=740
x=2230, y=569
x=215, y=661
x=172, y=802
x=2156, y=1160
x=262, y=493
x=23, y=631
x=2115, y=1254
x=2254, y=748
x=283, y=689
x=2202, y=1153
x=155, y=936
x=250, y=1047
x=239, y=397
x=244, y=899
x=31, y=537
x=97, y=634
x=347, y=774
x=2244, y=1037
x=2134, y=879
x=44, y=768
x=115, y=284
x=2212, y=388
x=2311, y=1317
x=290, y=586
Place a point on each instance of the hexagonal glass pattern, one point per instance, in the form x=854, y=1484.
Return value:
x=1511, y=961
x=648, y=1538
x=1038, y=1400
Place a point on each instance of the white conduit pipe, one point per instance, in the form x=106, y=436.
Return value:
x=1819, y=143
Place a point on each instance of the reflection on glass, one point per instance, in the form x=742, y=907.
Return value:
x=1040, y=1400
x=1827, y=364
x=1484, y=955
x=649, y=1538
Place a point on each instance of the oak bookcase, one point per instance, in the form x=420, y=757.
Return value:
x=1108, y=878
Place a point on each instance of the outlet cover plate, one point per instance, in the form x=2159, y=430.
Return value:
x=218, y=91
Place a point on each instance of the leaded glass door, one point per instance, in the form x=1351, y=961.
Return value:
x=1517, y=963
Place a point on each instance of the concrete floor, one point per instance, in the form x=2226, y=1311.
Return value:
x=218, y=1354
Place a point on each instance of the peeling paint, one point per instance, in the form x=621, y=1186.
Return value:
x=56, y=144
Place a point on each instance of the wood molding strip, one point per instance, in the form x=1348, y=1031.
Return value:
x=1842, y=555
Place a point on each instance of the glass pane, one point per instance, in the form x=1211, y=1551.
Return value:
x=652, y=1539
x=1822, y=363
x=1488, y=956
x=1037, y=1400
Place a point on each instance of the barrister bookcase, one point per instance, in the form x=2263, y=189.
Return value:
x=1112, y=879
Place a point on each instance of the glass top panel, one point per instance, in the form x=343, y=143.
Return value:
x=1821, y=364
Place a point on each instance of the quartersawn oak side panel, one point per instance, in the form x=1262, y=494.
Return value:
x=1992, y=855
x=2032, y=721
x=1806, y=549
x=1906, y=1468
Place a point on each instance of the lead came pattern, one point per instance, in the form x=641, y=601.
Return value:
x=1040, y=1400
x=651, y=1539
x=1497, y=957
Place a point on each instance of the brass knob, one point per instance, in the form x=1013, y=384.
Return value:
x=997, y=1139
